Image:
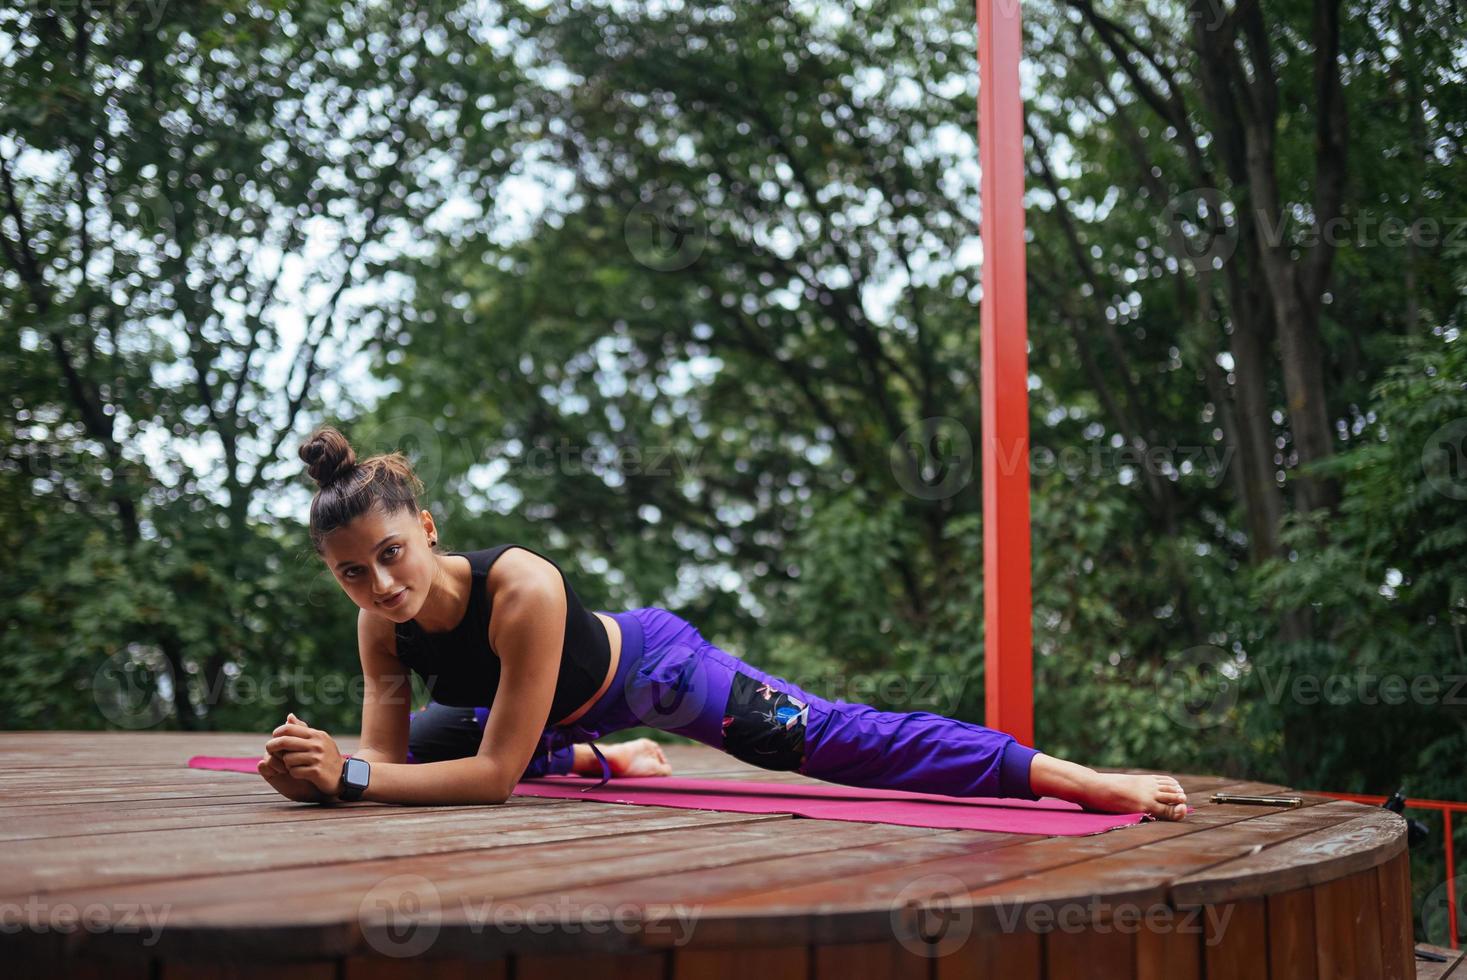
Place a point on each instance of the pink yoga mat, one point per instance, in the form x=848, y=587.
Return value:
x=823, y=801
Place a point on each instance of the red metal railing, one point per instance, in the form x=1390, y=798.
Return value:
x=1447, y=807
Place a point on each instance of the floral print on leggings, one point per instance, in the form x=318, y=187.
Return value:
x=764, y=726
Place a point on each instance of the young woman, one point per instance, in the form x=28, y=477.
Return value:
x=502, y=628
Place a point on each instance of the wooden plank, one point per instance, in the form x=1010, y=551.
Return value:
x=1235, y=946
x=209, y=970
x=389, y=832
x=1334, y=921
x=869, y=961
x=421, y=968
x=1010, y=955
x=1397, y=931
x=755, y=872
x=59, y=822
x=19, y=967
x=1291, y=938
x=473, y=892
x=1373, y=837
x=1082, y=954
x=1025, y=856
x=1365, y=897
x=1170, y=952
x=1430, y=969
x=600, y=966
x=741, y=963
x=840, y=906
x=1138, y=879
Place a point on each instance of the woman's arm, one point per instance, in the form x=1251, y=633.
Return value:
x=386, y=694
x=527, y=630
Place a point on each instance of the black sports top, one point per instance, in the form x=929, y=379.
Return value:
x=462, y=670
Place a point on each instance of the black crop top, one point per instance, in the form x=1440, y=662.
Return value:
x=461, y=670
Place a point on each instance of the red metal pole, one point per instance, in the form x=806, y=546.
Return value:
x=1451, y=877
x=1008, y=653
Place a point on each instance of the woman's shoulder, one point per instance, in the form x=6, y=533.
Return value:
x=517, y=565
x=376, y=633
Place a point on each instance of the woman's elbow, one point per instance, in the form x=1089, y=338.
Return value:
x=491, y=788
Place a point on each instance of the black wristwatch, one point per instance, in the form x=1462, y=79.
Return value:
x=355, y=773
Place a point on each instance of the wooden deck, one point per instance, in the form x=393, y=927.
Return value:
x=175, y=872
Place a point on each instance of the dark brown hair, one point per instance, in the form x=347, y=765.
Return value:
x=348, y=489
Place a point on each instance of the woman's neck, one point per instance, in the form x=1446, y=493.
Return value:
x=447, y=601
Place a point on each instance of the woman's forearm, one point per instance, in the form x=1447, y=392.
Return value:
x=376, y=756
x=471, y=780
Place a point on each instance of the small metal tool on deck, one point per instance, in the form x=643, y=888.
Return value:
x=1289, y=801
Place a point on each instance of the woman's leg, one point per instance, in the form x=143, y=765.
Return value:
x=687, y=685
x=441, y=731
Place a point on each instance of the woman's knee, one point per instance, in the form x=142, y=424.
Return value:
x=441, y=731
x=766, y=722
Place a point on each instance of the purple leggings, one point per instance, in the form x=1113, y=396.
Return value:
x=670, y=678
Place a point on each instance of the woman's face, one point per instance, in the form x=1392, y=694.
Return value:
x=377, y=559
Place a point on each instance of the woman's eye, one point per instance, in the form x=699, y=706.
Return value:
x=395, y=548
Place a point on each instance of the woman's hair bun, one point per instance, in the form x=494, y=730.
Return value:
x=328, y=456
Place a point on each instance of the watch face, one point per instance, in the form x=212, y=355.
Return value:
x=355, y=774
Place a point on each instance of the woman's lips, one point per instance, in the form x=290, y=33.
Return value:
x=395, y=600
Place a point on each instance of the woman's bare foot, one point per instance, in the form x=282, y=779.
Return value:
x=639, y=757
x=1155, y=795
